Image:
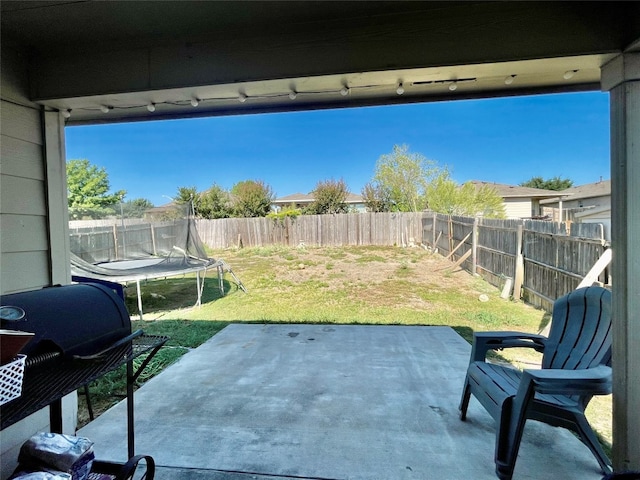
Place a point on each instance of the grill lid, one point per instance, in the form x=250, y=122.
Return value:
x=79, y=319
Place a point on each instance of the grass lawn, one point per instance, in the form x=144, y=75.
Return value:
x=348, y=285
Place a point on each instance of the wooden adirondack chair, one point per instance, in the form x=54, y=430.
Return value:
x=575, y=366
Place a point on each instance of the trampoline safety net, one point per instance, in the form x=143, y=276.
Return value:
x=119, y=244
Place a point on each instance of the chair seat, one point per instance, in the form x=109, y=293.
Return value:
x=495, y=383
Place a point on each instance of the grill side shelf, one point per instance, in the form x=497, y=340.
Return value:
x=48, y=381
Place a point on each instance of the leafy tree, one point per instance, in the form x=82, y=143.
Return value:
x=251, y=198
x=445, y=196
x=214, y=203
x=329, y=197
x=88, y=190
x=136, y=208
x=186, y=195
x=185, y=203
x=376, y=198
x=555, y=183
x=402, y=177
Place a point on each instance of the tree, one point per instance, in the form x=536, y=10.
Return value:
x=445, y=196
x=402, y=177
x=329, y=197
x=555, y=183
x=251, y=198
x=214, y=203
x=376, y=198
x=87, y=190
x=136, y=208
x=186, y=195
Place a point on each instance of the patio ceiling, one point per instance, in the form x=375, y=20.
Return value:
x=110, y=61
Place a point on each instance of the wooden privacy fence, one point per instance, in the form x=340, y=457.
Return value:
x=314, y=230
x=542, y=259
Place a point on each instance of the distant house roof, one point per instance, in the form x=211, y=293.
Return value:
x=354, y=198
x=588, y=190
x=294, y=198
x=307, y=198
x=513, y=191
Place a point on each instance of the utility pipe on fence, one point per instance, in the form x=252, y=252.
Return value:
x=519, y=267
x=435, y=216
x=474, y=247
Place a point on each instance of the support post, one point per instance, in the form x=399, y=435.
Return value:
x=621, y=78
x=56, y=191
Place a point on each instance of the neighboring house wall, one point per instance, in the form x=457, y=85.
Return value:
x=517, y=207
x=585, y=203
x=33, y=219
x=603, y=201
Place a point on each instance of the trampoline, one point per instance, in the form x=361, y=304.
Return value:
x=120, y=252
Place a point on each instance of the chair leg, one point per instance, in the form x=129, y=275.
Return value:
x=508, y=437
x=590, y=439
x=464, y=401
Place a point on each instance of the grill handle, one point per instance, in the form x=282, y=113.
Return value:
x=117, y=344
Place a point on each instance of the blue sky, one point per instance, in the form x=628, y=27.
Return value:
x=506, y=140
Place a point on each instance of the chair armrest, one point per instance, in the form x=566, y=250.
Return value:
x=485, y=341
x=119, y=471
x=589, y=381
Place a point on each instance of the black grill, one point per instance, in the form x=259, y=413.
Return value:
x=70, y=320
x=80, y=332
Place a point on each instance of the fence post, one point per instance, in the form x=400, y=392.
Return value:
x=519, y=270
x=433, y=231
x=287, y=224
x=474, y=247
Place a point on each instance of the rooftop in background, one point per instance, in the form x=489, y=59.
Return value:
x=307, y=199
x=589, y=190
x=581, y=192
x=513, y=191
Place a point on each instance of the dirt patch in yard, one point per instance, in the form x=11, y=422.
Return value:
x=415, y=265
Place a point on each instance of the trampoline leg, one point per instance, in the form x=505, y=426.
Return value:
x=240, y=284
x=139, y=298
x=221, y=280
x=199, y=301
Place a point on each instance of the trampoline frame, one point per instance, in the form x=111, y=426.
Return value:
x=119, y=282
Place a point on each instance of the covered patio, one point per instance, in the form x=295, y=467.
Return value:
x=331, y=402
x=83, y=62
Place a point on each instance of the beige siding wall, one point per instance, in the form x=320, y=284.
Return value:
x=33, y=231
x=517, y=208
x=594, y=202
x=24, y=244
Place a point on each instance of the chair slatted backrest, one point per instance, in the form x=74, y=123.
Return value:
x=580, y=334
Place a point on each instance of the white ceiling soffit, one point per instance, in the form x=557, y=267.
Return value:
x=335, y=91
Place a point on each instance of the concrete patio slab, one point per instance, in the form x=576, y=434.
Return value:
x=325, y=402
